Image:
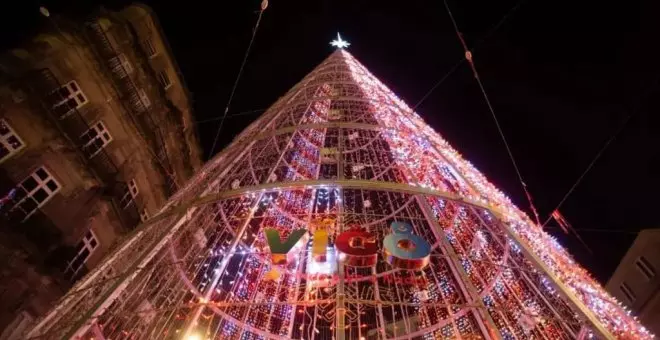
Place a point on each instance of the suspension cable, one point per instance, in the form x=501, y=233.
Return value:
x=476, y=46
x=468, y=57
x=243, y=113
x=623, y=125
x=264, y=5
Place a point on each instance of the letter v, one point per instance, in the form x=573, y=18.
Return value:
x=280, y=249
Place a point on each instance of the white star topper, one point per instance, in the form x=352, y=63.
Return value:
x=339, y=43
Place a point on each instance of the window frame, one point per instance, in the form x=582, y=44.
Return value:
x=75, y=93
x=4, y=141
x=645, y=267
x=41, y=184
x=144, y=98
x=150, y=48
x=627, y=292
x=125, y=63
x=144, y=215
x=84, y=244
x=100, y=133
x=163, y=76
x=132, y=190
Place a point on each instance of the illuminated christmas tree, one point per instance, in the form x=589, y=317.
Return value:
x=339, y=154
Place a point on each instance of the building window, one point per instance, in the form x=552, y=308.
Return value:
x=132, y=186
x=144, y=98
x=129, y=195
x=10, y=142
x=627, y=292
x=95, y=139
x=33, y=192
x=144, y=215
x=645, y=267
x=66, y=99
x=164, y=79
x=84, y=250
x=125, y=63
x=149, y=48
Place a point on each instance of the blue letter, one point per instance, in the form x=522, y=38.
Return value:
x=405, y=250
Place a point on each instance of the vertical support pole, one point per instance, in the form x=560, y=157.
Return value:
x=340, y=154
x=340, y=315
x=302, y=255
x=485, y=321
x=299, y=272
x=379, y=306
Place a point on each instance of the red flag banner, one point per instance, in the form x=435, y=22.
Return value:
x=561, y=221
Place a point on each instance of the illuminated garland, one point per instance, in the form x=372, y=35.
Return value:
x=395, y=114
x=215, y=279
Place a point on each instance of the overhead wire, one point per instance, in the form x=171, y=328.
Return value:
x=428, y=93
x=495, y=27
x=476, y=46
x=609, y=231
x=264, y=5
x=243, y=113
x=600, y=152
x=468, y=57
x=442, y=80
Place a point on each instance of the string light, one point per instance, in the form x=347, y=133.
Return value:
x=477, y=272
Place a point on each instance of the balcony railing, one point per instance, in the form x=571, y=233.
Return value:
x=131, y=100
x=42, y=84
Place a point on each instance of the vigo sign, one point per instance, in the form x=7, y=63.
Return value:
x=401, y=248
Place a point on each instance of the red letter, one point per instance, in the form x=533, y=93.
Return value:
x=359, y=248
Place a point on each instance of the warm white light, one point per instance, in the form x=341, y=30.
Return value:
x=193, y=336
x=339, y=43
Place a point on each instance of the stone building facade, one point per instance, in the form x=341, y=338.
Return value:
x=96, y=132
x=636, y=281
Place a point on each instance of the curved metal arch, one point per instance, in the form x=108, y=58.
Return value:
x=344, y=183
x=249, y=157
x=322, y=71
x=303, y=137
x=286, y=214
x=361, y=147
x=283, y=159
x=487, y=290
x=384, y=171
x=295, y=171
x=385, y=218
x=310, y=119
x=340, y=125
x=346, y=98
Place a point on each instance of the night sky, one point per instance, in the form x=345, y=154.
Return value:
x=561, y=76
